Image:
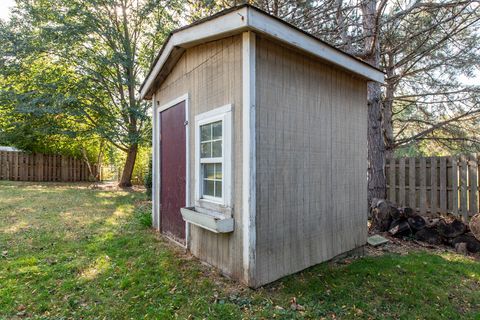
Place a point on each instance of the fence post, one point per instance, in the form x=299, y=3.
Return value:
x=412, y=193
x=433, y=185
x=463, y=187
x=40, y=167
x=443, y=185
x=423, y=185
x=63, y=169
x=392, y=182
x=1, y=165
x=401, y=182
x=473, y=184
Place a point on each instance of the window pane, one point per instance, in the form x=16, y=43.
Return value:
x=217, y=149
x=218, y=189
x=217, y=130
x=218, y=171
x=209, y=171
x=206, y=150
x=208, y=188
x=206, y=132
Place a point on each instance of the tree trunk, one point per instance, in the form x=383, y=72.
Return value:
x=126, y=179
x=377, y=184
x=390, y=88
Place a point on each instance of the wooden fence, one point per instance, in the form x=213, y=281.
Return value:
x=436, y=184
x=20, y=166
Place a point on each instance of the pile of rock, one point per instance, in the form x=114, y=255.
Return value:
x=405, y=222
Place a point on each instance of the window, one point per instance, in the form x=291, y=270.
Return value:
x=211, y=159
x=213, y=148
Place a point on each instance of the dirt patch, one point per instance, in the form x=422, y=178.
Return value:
x=406, y=246
x=113, y=186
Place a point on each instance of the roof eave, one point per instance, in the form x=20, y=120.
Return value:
x=224, y=25
x=249, y=18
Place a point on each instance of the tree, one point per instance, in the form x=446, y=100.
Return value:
x=109, y=44
x=35, y=104
x=424, y=47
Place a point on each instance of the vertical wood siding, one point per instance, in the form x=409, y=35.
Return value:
x=311, y=134
x=212, y=75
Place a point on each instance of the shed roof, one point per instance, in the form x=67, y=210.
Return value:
x=9, y=149
x=244, y=18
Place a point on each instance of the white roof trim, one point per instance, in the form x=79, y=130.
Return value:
x=248, y=18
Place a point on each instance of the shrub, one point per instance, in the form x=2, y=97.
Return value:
x=148, y=179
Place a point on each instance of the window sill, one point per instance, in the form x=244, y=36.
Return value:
x=210, y=206
x=212, y=221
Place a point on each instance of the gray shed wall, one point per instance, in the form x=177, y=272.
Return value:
x=311, y=184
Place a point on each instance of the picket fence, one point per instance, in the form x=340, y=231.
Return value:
x=21, y=166
x=444, y=185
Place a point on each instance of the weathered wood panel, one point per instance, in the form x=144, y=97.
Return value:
x=21, y=166
x=311, y=122
x=444, y=185
x=211, y=74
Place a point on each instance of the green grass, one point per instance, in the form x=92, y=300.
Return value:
x=68, y=252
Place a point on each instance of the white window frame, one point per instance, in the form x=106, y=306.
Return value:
x=223, y=114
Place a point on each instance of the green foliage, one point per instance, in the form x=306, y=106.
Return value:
x=72, y=71
x=35, y=109
x=149, y=178
x=90, y=256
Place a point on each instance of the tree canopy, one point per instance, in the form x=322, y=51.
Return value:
x=99, y=51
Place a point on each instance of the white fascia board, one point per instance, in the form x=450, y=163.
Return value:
x=215, y=28
x=262, y=23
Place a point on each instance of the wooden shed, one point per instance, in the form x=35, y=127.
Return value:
x=259, y=145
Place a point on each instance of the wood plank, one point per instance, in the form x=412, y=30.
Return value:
x=392, y=182
x=464, y=187
x=443, y=185
x=423, y=185
x=433, y=185
x=455, y=203
x=10, y=160
x=412, y=193
x=15, y=167
x=1, y=165
x=40, y=167
x=473, y=184
x=401, y=182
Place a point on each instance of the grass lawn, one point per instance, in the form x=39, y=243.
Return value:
x=70, y=252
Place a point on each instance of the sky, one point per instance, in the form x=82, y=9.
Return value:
x=5, y=8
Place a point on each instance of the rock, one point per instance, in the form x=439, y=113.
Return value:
x=475, y=226
x=376, y=240
x=472, y=244
x=461, y=248
x=431, y=222
x=408, y=212
x=381, y=214
x=295, y=306
x=416, y=223
x=452, y=229
x=395, y=213
x=400, y=228
x=428, y=235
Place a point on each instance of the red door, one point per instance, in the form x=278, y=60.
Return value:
x=173, y=171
